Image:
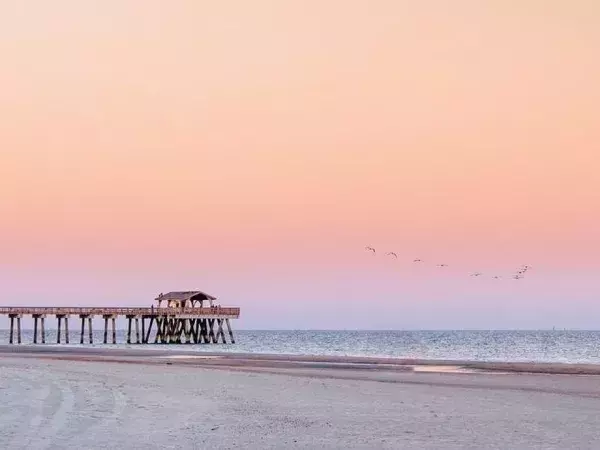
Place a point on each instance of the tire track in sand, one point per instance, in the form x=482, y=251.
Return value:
x=52, y=407
x=24, y=404
x=47, y=413
x=97, y=408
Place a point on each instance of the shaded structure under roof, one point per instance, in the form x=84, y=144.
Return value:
x=185, y=299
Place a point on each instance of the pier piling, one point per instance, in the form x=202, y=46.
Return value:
x=147, y=335
x=129, y=319
x=89, y=318
x=35, y=328
x=105, y=329
x=82, y=317
x=12, y=329
x=90, y=329
x=137, y=330
x=59, y=318
x=11, y=337
x=230, y=331
x=19, y=328
x=112, y=319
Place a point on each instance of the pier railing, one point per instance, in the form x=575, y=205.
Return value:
x=216, y=311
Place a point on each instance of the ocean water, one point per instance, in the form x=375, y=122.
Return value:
x=532, y=346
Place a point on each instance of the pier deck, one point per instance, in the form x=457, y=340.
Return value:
x=213, y=312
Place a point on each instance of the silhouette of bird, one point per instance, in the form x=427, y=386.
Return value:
x=370, y=249
x=392, y=254
x=418, y=260
x=476, y=274
x=442, y=265
x=523, y=269
x=497, y=277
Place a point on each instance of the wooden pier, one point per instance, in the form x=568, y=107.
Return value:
x=183, y=317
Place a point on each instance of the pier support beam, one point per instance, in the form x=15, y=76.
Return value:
x=60, y=318
x=105, y=341
x=112, y=318
x=147, y=336
x=187, y=330
x=12, y=329
x=11, y=337
x=144, y=339
x=211, y=332
x=35, y=331
x=90, y=331
x=83, y=318
x=137, y=330
x=230, y=331
x=194, y=331
x=130, y=319
x=202, y=331
x=220, y=332
x=159, y=328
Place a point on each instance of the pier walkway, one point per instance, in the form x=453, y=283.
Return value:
x=214, y=312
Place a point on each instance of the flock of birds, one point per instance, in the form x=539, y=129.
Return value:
x=520, y=273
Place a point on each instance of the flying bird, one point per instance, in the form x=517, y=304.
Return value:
x=370, y=249
x=392, y=254
x=497, y=277
x=418, y=260
x=476, y=274
x=442, y=265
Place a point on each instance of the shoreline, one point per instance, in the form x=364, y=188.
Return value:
x=251, y=361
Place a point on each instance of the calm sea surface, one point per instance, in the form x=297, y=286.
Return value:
x=540, y=346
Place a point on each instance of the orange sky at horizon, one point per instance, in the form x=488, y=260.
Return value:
x=263, y=133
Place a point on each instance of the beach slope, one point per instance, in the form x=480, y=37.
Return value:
x=159, y=402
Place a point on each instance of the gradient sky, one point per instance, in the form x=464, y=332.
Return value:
x=252, y=149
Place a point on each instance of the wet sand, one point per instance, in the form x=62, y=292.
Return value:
x=100, y=398
x=154, y=354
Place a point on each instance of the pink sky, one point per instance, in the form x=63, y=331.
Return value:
x=252, y=149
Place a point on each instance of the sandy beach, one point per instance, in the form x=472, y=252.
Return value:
x=84, y=398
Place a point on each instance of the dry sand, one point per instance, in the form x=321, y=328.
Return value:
x=135, y=400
